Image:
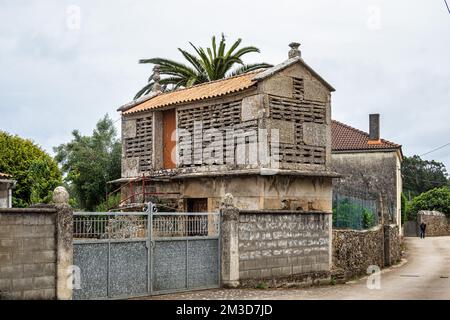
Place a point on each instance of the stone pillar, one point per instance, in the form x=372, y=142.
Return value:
x=229, y=219
x=64, y=244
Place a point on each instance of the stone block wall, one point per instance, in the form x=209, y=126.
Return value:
x=30, y=250
x=277, y=246
x=437, y=223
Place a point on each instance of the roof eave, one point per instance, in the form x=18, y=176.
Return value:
x=393, y=149
x=137, y=102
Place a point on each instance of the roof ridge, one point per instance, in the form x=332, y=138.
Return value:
x=365, y=133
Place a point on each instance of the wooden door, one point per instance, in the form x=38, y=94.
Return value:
x=197, y=205
x=169, y=139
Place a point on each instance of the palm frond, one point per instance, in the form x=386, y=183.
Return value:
x=144, y=90
x=204, y=65
x=249, y=67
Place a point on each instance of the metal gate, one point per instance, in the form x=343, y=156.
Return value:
x=123, y=255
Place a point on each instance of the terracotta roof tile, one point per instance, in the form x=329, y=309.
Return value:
x=344, y=137
x=199, y=92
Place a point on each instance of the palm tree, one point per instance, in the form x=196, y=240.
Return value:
x=207, y=65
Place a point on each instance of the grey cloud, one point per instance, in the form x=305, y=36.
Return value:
x=54, y=79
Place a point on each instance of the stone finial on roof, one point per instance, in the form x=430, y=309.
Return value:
x=156, y=77
x=294, y=52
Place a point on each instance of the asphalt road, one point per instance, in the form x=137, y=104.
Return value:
x=425, y=275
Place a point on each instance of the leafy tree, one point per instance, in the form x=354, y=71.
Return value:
x=37, y=174
x=422, y=175
x=205, y=65
x=436, y=199
x=404, y=208
x=89, y=162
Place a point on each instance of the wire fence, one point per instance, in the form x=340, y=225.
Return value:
x=351, y=212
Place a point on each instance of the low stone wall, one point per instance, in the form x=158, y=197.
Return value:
x=437, y=223
x=392, y=245
x=276, y=247
x=35, y=253
x=354, y=250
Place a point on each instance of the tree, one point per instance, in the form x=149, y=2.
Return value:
x=214, y=63
x=37, y=174
x=404, y=208
x=89, y=162
x=422, y=175
x=436, y=199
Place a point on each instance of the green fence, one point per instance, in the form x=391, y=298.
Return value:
x=354, y=213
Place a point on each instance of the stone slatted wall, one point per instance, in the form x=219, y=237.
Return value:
x=299, y=111
x=28, y=254
x=221, y=117
x=283, y=245
x=140, y=146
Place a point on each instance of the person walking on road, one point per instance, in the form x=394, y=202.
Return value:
x=422, y=227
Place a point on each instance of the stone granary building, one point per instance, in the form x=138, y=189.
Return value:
x=370, y=167
x=264, y=137
x=6, y=186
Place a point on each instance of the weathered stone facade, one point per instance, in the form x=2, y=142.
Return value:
x=355, y=250
x=372, y=175
x=437, y=223
x=279, y=247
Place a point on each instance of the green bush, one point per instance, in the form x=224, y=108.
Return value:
x=368, y=219
x=110, y=203
x=36, y=173
x=436, y=199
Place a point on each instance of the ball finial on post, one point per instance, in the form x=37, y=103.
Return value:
x=60, y=196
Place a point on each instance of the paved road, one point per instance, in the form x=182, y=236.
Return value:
x=426, y=275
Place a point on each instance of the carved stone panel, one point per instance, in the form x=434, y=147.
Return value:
x=252, y=107
x=129, y=129
x=286, y=130
x=315, y=134
x=130, y=167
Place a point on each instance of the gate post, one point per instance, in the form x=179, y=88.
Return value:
x=64, y=244
x=229, y=249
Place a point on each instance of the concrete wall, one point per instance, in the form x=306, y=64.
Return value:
x=34, y=253
x=278, y=247
x=373, y=173
x=354, y=251
x=253, y=192
x=437, y=223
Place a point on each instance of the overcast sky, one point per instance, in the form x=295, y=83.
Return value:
x=61, y=71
